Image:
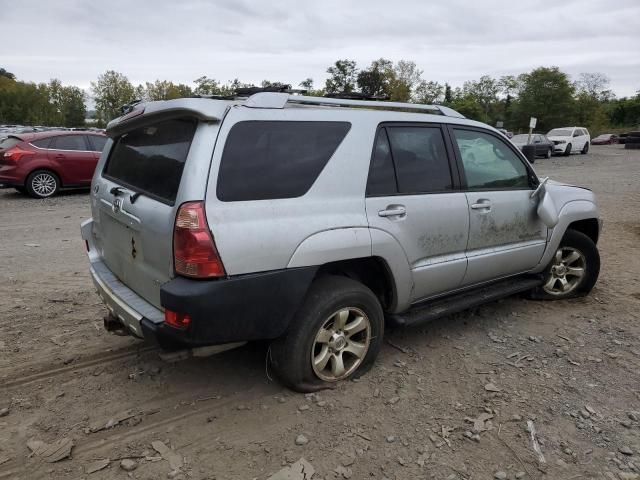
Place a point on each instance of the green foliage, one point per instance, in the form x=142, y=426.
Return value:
x=548, y=95
x=342, y=77
x=111, y=91
x=41, y=104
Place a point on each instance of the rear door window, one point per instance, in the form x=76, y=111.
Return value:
x=420, y=158
x=69, y=142
x=264, y=160
x=97, y=142
x=150, y=159
x=42, y=143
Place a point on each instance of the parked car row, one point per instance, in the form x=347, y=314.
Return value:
x=42, y=163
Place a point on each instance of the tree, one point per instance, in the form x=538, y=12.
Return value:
x=547, y=94
x=307, y=84
x=448, y=94
x=485, y=92
x=111, y=91
x=407, y=77
x=9, y=75
x=206, y=86
x=166, y=90
x=376, y=81
x=73, y=107
x=429, y=92
x=342, y=77
x=595, y=86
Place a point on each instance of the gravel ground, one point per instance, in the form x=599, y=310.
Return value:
x=455, y=399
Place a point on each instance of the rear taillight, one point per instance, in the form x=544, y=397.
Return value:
x=194, y=252
x=176, y=320
x=16, y=153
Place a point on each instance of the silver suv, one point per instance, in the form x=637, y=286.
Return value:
x=314, y=222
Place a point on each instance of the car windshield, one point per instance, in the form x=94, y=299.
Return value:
x=605, y=136
x=559, y=132
x=520, y=138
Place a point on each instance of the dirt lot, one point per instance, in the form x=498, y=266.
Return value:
x=447, y=401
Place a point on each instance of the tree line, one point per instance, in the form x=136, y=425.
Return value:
x=546, y=93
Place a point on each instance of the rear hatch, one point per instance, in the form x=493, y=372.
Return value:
x=143, y=176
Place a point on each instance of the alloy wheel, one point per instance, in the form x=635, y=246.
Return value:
x=567, y=271
x=341, y=344
x=44, y=184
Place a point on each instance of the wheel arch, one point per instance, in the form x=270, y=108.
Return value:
x=373, y=272
x=44, y=168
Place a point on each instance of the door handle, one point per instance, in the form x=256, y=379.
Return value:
x=393, y=211
x=481, y=204
x=59, y=156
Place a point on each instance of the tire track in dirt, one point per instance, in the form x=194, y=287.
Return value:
x=89, y=361
x=165, y=416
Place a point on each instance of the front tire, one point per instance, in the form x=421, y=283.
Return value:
x=336, y=335
x=573, y=270
x=42, y=184
x=549, y=153
x=567, y=151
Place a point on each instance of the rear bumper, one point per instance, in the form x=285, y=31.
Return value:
x=236, y=309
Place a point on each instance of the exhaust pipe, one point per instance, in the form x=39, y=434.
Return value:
x=112, y=324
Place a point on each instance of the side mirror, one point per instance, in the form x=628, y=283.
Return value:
x=547, y=211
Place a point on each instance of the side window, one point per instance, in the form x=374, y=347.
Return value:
x=97, y=142
x=577, y=132
x=42, y=143
x=382, y=177
x=69, y=142
x=489, y=163
x=420, y=158
x=264, y=160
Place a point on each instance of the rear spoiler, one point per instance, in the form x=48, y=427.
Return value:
x=144, y=114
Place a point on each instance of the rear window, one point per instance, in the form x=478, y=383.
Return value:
x=69, y=142
x=9, y=142
x=264, y=160
x=150, y=159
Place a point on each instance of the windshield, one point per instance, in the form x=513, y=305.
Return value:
x=605, y=136
x=559, y=132
x=520, y=138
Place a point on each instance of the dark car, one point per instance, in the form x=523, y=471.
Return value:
x=42, y=163
x=544, y=146
x=605, y=139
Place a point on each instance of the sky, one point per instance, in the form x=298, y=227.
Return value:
x=290, y=40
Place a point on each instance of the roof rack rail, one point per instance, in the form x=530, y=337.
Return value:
x=279, y=100
x=215, y=97
x=355, y=96
x=283, y=88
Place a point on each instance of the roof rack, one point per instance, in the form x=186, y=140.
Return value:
x=279, y=100
x=282, y=88
x=355, y=96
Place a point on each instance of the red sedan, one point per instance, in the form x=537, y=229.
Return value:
x=605, y=139
x=42, y=163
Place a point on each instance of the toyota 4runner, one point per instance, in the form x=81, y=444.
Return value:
x=314, y=222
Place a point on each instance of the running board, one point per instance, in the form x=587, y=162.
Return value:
x=425, y=312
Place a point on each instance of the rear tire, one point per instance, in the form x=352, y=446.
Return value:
x=42, y=184
x=573, y=270
x=567, y=151
x=336, y=335
x=585, y=149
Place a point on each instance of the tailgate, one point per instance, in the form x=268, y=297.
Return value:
x=135, y=197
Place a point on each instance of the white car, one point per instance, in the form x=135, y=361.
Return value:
x=570, y=139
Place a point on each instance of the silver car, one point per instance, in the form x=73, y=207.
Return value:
x=314, y=222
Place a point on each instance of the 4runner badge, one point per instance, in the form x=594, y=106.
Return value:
x=117, y=205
